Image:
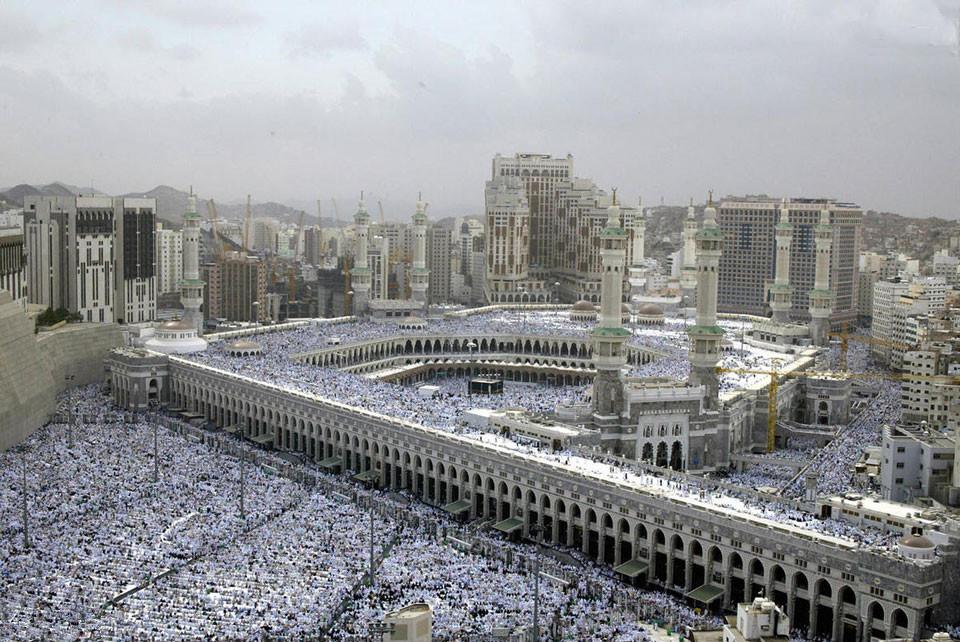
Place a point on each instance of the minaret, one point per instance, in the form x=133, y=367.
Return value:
x=781, y=294
x=191, y=287
x=706, y=335
x=360, y=276
x=419, y=275
x=609, y=337
x=639, y=235
x=821, y=296
x=688, y=274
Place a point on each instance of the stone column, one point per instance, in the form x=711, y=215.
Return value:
x=727, y=582
x=670, y=553
x=837, y=630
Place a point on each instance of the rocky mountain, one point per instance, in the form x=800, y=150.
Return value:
x=14, y=196
x=885, y=232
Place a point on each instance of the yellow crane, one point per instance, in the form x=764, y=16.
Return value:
x=323, y=250
x=247, y=222
x=297, y=252
x=845, y=337
x=775, y=377
x=217, y=239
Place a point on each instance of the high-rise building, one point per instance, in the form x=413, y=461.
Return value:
x=313, y=245
x=873, y=267
x=508, y=242
x=927, y=397
x=237, y=288
x=265, y=237
x=478, y=268
x=169, y=259
x=543, y=227
x=378, y=258
x=947, y=266
x=747, y=267
x=540, y=175
x=898, y=306
x=92, y=255
x=439, y=248
x=581, y=218
x=13, y=265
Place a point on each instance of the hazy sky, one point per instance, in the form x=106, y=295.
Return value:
x=294, y=101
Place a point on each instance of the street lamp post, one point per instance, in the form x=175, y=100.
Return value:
x=371, y=537
x=243, y=457
x=23, y=461
x=535, y=531
x=67, y=379
x=471, y=347
x=156, y=450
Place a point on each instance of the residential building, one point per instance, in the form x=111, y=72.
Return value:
x=931, y=392
x=873, y=267
x=236, y=288
x=898, y=305
x=946, y=266
x=92, y=255
x=917, y=462
x=265, y=237
x=313, y=245
x=439, y=252
x=378, y=259
x=169, y=259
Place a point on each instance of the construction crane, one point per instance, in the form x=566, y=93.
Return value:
x=247, y=222
x=846, y=336
x=775, y=377
x=336, y=214
x=291, y=285
x=217, y=239
x=297, y=252
x=323, y=251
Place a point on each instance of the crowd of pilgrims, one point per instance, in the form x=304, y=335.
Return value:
x=115, y=556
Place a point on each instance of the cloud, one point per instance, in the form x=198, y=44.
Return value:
x=141, y=41
x=323, y=39
x=805, y=99
x=192, y=13
x=17, y=32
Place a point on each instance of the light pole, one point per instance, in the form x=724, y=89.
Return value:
x=156, y=450
x=556, y=297
x=373, y=486
x=243, y=457
x=471, y=347
x=535, y=531
x=23, y=461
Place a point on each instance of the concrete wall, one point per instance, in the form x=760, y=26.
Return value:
x=33, y=367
